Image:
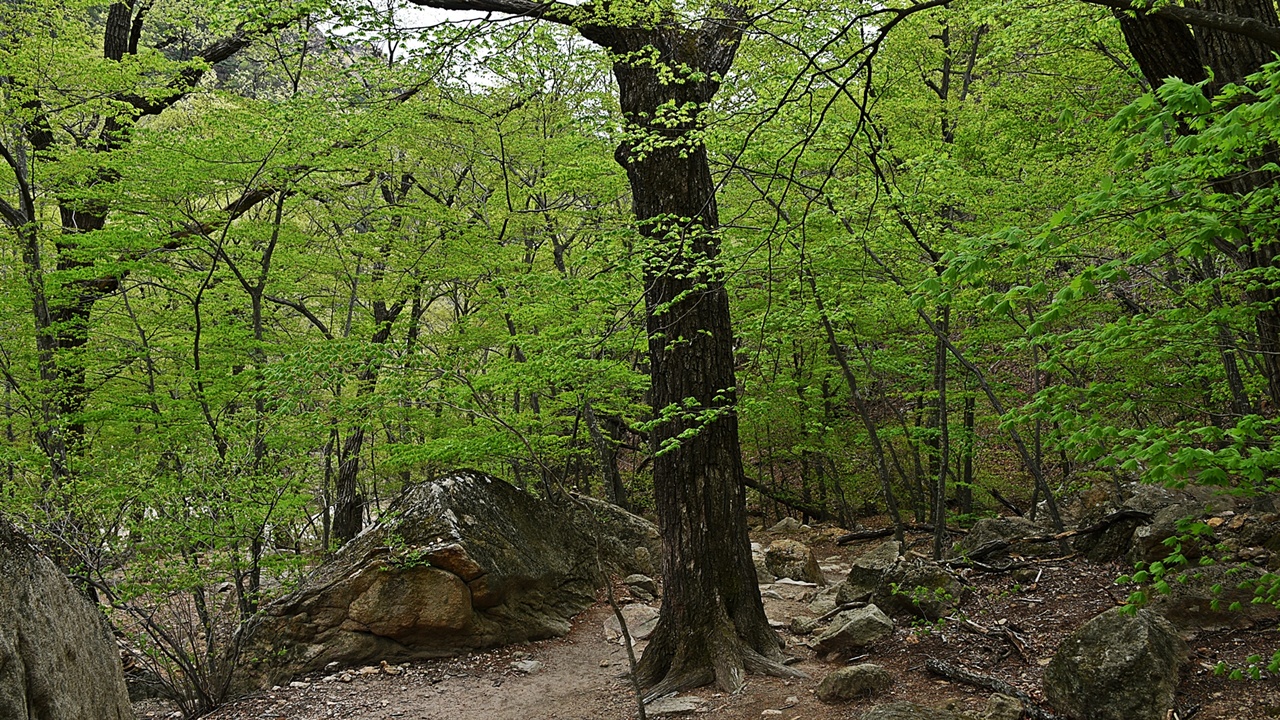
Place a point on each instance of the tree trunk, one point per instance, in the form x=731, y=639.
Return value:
x=712, y=627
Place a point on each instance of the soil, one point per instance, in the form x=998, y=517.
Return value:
x=581, y=676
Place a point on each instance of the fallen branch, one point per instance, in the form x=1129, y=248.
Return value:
x=886, y=532
x=987, y=682
x=1100, y=526
x=1004, y=632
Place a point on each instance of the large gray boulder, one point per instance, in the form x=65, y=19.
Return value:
x=1117, y=666
x=58, y=660
x=1201, y=598
x=462, y=563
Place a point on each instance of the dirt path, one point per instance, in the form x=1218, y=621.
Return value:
x=577, y=677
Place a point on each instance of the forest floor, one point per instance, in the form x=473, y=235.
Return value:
x=580, y=676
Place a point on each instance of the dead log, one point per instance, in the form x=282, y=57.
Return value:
x=987, y=682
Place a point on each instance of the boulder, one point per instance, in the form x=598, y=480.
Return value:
x=867, y=572
x=824, y=601
x=855, y=681
x=1149, y=540
x=996, y=537
x=999, y=707
x=1200, y=598
x=763, y=576
x=793, y=559
x=787, y=525
x=58, y=659
x=913, y=587
x=642, y=586
x=462, y=563
x=853, y=629
x=1117, y=666
x=923, y=589
x=1002, y=707
x=640, y=619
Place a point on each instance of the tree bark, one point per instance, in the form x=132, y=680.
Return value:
x=712, y=626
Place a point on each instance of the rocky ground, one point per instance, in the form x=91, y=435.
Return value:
x=1008, y=625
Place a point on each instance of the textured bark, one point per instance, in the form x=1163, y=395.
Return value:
x=712, y=626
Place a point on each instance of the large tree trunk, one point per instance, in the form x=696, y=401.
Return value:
x=712, y=626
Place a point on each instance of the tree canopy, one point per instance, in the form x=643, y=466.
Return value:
x=267, y=264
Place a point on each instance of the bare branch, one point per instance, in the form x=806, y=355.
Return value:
x=553, y=11
x=302, y=309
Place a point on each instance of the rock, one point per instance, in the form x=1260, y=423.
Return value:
x=1002, y=707
x=912, y=711
x=455, y=565
x=528, y=667
x=58, y=660
x=669, y=706
x=867, y=572
x=642, y=585
x=793, y=559
x=1006, y=533
x=924, y=589
x=853, y=682
x=1192, y=605
x=788, y=525
x=1117, y=667
x=853, y=629
x=1149, y=540
x=641, y=620
x=803, y=625
x=643, y=559
x=825, y=600
x=763, y=576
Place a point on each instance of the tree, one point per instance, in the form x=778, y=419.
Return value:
x=712, y=626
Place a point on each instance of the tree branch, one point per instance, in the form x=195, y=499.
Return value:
x=1253, y=28
x=324, y=329
x=553, y=11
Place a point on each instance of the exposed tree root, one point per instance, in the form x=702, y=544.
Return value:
x=716, y=655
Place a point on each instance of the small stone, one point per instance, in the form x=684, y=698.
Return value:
x=299, y=684
x=369, y=670
x=803, y=625
x=527, y=667
x=786, y=525
x=345, y=677
x=768, y=713
x=1003, y=707
x=666, y=707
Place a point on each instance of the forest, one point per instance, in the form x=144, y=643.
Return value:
x=264, y=266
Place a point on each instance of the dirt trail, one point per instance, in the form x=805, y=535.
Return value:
x=578, y=677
